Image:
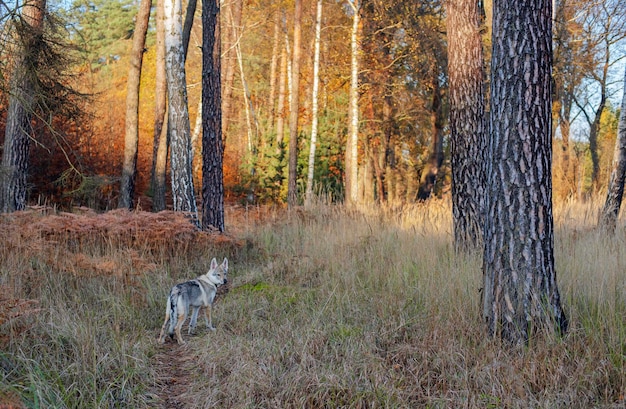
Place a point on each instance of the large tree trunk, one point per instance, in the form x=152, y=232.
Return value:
x=22, y=102
x=178, y=115
x=467, y=121
x=520, y=289
x=352, y=145
x=615, y=193
x=131, y=138
x=292, y=188
x=161, y=138
x=212, y=150
x=316, y=82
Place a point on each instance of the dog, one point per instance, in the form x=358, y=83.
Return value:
x=193, y=294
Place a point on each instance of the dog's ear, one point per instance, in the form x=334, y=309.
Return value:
x=225, y=264
x=213, y=264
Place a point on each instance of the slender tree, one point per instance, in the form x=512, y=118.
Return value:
x=352, y=145
x=467, y=121
x=292, y=188
x=22, y=102
x=212, y=149
x=520, y=295
x=314, y=95
x=615, y=193
x=131, y=138
x=178, y=115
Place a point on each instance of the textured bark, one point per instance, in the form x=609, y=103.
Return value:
x=467, y=121
x=316, y=84
x=161, y=141
x=352, y=146
x=615, y=193
x=292, y=188
x=178, y=115
x=520, y=289
x=212, y=149
x=22, y=102
x=131, y=138
x=188, y=25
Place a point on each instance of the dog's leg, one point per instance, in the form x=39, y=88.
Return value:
x=193, y=321
x=165, y=323
x=182, y=316
x=208, y=317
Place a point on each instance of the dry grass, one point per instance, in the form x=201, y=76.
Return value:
x=327, y=308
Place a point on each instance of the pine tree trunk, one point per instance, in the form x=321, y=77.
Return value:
x=178, y=115
x=352, y=147
x=160, y=145
x=131, y=139
x=292, y=189
x=520, y=294
x=316, y=84
x=212, y=149
x=467, y=121
x=615, y=193
x=22, y=102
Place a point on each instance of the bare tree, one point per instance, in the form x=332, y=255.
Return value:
x=22, y=101
x=467, y=121
x=212, y=148
x=314, y=95
x=352, y=145
x=178, y=115
x=520, y=294
x=131, y=138
x=292, y=188
x=615, y=193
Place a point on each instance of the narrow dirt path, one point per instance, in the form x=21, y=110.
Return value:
x=174, y=375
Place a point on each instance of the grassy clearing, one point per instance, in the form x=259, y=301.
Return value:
x=327, y=308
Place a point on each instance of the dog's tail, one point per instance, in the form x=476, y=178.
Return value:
x=173, y=306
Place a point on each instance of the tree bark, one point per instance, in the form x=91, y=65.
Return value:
x=352, y=146
x=292, y=188
x=212, y=148
x=316, y=84
x=178, y=115
x=131, y=139
x=615, y=193
x=22, y=102
x=161, y=137
x=467, y=121
x=520, y=294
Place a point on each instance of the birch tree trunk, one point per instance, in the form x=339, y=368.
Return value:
x=178, y=115
x=352, y=145
x=615, y=193
x=22, y=102
x=280, y=106
x=520, y=294
x=292, y=189
x=316, y=82
x=467, y=121
x=131, y=138
x=212, y=148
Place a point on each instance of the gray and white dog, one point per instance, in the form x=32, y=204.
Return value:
x=193, y=294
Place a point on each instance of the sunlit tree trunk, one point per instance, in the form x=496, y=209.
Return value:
x=274, y=68
x=161, y=138
x=178, y=115
x=467, y=121
x=615, y=193
x=233, y=12
x=131, y=139
x=316, y=84
x=520, y=294
x=292, y=188
x=22, y=101
x=352, y=146
x=212, y=149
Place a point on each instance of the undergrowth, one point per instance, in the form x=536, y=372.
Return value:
x=327, y=307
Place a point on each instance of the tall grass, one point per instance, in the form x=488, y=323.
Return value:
x=327, y=308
